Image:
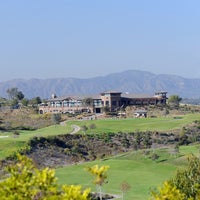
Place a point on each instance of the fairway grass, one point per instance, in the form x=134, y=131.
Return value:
x=11, y=144
x=139, y=171
x=138, y=124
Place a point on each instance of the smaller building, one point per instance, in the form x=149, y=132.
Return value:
x=140, y=113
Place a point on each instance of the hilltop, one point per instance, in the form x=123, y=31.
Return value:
x=132, y=81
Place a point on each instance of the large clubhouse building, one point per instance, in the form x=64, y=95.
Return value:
x=110, y=100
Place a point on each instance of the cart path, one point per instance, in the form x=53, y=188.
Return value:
x=75, y=129
x=6, y=136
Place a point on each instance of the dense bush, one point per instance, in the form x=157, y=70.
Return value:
x=168, y=192
x=185, y=185
x=28, y=182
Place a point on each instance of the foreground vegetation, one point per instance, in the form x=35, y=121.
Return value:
x=25, y=181
x=135, y=170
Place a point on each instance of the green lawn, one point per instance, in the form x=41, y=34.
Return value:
x=140, y=172
x=11, y=144
x=141, y=124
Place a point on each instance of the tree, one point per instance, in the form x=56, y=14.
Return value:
x=25, y=102
x=124, y=187
x=28, y=182
x=88, y=101
x=184, y=186
x=188, y=180
x=56, y=117
x=174, y=100
x=36, y=101
x=100, y=176
x=19, y=95
x=13, y=93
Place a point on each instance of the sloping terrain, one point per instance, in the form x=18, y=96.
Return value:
x=70, y=149
x=132, y=81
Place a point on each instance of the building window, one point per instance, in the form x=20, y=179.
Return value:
x=97, y=102
x=58, y=104
x=52, y=104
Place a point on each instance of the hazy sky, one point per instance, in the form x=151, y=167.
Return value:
x=88, y=38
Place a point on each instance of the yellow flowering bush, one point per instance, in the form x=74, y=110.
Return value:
x=26, y=182
x=167, y=192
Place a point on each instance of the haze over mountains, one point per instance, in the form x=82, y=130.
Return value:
x=132, y=81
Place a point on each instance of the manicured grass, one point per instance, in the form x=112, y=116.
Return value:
x=140, y=124
x=138, y=170
x=11, y=144
x=141, y=175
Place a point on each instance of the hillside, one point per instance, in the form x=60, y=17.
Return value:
x=132, y=81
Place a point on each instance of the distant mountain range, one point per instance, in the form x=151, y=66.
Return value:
x=132, y=81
